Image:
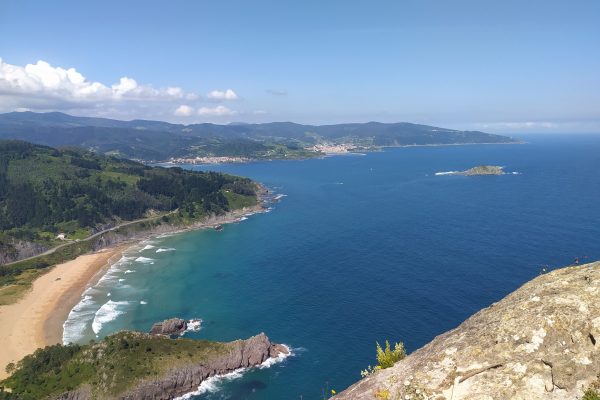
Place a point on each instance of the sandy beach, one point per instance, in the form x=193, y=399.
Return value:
x=36, y=320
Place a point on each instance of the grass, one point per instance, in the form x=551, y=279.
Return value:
x=238, y=201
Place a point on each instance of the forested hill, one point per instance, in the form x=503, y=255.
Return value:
x=45, y=192
x=155, y=140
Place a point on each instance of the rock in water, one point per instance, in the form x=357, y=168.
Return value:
x=169, y=327
x=540, y=342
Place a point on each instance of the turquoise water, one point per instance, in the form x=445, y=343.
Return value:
x=362, y=249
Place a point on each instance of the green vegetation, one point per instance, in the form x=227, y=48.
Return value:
x=107, y=368
x=386, y=357
x=591, y=394
x=46, y=193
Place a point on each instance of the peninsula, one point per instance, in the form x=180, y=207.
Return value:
x=132, y=365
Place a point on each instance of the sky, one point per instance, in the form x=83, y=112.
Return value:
x=498, y=66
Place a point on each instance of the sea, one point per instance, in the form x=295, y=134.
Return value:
x=359, y=249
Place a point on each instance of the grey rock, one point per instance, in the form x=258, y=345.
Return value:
x=169, y=327
x=540, y=342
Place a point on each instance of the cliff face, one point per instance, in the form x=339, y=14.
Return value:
x=244, y=353
x=540, y=342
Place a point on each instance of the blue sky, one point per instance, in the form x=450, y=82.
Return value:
x=499, y=66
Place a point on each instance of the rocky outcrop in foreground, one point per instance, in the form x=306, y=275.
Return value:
x=540, y=342
x=243, y=354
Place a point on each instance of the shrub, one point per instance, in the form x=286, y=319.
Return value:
x=387, y=357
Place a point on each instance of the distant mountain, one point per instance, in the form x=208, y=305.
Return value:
x=156, y=140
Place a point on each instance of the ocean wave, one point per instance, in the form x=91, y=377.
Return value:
x=161, y=250
x=78, y=318
x=144, y=260
x=279, y=196
x=147, y=247
x=107, y=313
x=142, y=302
x=121, y=279
x=447, y=173
x=213, y=384
x=130, y=271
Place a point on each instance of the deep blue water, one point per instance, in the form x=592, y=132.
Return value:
x=364, y=249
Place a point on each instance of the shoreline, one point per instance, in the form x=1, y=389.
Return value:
x=36, y=320
x=324, y=155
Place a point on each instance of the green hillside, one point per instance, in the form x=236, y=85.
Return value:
x=48, y=193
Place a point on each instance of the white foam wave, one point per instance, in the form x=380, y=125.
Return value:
x=79, y=316
x=193, y=325
x=279, y=196
x=121, y=279
x=161, y=250
x=447, y=173
x=107, y=313
x=130, y=271
x=147, y=247
x=212, y=384
x=144, y=260
x=142, y=302
x=516, y=173
x=274, y=360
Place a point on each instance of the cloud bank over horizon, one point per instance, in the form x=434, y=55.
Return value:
x=43, y=87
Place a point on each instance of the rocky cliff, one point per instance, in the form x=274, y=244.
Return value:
x=540, y=342
x=242, y=354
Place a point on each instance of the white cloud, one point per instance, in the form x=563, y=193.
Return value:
x=218, y=111
x=41, y=85
x=222, y=95
x=184, y=111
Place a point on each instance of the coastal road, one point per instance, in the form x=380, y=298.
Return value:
x=95, y=235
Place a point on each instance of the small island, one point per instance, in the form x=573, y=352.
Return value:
x=484, y=170
x=475, y=171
